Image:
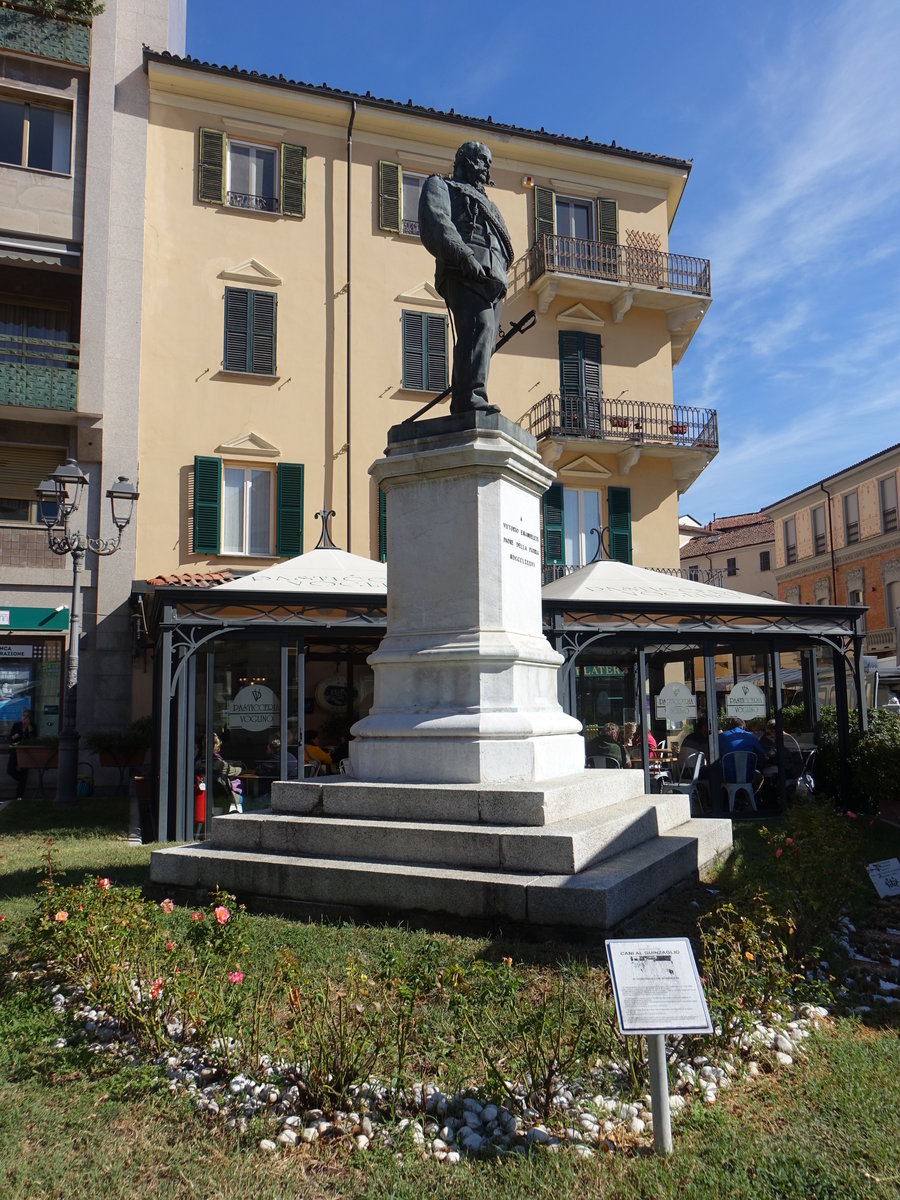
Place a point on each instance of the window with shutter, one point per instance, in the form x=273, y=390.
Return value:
x=544, y=212
x=424, y=352
x=250, y=324
x=618, y=508
x=579, y=383
x=207, y=505
x=289, y=510
x=398, y=199
x=211, y=173
x=251, y=176
x=553, y=520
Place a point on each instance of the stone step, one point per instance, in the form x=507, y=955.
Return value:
x=469, y=804
x=599, y=897
x=562, y=848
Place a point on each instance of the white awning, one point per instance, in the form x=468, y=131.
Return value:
x=621, y=583
x=333, y=571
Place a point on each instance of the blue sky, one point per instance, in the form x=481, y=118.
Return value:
x=790, y=111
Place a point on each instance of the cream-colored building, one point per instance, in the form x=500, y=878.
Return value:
x=289, y=319
x=738, y=550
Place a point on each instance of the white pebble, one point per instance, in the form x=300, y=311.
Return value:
x=784, y=1059
x=267, y=1145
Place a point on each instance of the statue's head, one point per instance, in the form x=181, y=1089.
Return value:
x=473, y=164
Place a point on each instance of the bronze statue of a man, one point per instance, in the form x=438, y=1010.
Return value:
x=468, y=237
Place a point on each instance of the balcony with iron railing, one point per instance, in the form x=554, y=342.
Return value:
x=38, y=373
x=634, y=422
x=607, y=262
x=252, y=202
x=624, y=277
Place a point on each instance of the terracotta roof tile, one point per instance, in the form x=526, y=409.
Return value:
x=730, y=533
x=585, y=143
x=197, y=579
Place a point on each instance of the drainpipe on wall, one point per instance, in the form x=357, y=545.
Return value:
x=349, y=304
x=834, y=598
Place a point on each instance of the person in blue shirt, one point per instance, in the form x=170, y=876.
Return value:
x=737, y=738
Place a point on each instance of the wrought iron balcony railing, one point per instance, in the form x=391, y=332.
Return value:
x=574, y=416
x=551, y=571
x=619, y=264
x=38, y=373
x=256, y=203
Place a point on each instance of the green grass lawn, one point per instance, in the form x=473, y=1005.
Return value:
x=73, y=1121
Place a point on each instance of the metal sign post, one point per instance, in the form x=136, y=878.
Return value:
x=657, y=990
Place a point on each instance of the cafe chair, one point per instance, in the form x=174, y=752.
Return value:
x=600, y=762
x=744, y=766
x=688, y=781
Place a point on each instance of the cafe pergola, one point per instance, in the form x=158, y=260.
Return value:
x=279, y=652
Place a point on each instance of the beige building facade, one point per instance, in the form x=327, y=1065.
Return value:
x=289, y=319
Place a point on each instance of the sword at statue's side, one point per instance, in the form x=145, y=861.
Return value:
x=521, y=326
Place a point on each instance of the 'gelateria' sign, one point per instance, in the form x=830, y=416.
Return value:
x=255, y=707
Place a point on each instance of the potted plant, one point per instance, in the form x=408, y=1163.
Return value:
x=38, y=753
x=122, y=748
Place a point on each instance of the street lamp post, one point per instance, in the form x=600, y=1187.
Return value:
x=58, y=500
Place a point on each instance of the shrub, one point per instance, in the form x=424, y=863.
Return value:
x=873, y=760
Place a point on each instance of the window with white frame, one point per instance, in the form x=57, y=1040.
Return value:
x=887, y=497
x=581, y=508
x=252, y=179
x=790, y=540
x=398, y=198
x=246, y=510
x=820, y=540
x=35, y=135
x=851, y=518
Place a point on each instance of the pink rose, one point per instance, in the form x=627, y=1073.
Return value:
x=103, y=885
x=62, y=916
x=196, y=916
x=221, y=914
x=167, y=905
x=779, y=852
x=235, y=976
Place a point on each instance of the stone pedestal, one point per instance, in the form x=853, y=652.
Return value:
x=465, y=681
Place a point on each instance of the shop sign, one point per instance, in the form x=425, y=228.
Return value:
x=601, y=670
x=255, y=707
x=676, y=702
x=7, y=650
x=745, y=700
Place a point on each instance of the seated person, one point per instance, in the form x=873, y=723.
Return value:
x=636, y=750
x=271, y=764
x=313, y=751
x=737, y=738
x=792, y=758
x=695, y=742
x=606, y=743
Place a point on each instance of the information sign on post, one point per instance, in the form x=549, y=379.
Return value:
x=886, y=876
x=657, y=990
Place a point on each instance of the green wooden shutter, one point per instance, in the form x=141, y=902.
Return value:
x=435, y=353
x=554, y=525
x=382, y=525
x=263, y=307
x=569, y=363
x=207, y=505
x=413, y=351
x=544, y=212
x=293, y=180
x=237, y=329
x=607, y=221
x=289, y=509
x=590, y=366
x=390, y=183
x=211, y=170
x=618, y=519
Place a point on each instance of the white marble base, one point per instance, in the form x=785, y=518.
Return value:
x=465, y=681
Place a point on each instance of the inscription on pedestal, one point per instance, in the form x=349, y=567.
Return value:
x=522, y=546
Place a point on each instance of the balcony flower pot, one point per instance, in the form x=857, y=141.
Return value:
x=36, y=755
x=678, y=429
x=619, y=422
